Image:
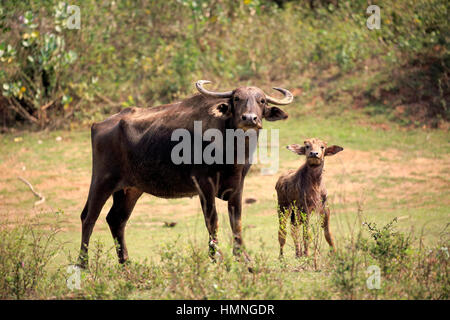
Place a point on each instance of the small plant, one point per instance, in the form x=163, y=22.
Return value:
x=389, y=248
x=25, y=254
x=348, y=268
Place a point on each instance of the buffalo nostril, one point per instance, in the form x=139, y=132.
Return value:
x=250, y=118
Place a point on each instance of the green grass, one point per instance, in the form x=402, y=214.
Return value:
x=169, y=255
x=348, y=83
x=346, y=129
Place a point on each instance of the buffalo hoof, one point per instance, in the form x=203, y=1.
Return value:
x=82, y=263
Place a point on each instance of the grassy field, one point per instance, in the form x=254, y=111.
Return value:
x=381, y=94
x=382, y=174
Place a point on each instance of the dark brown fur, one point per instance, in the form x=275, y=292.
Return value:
x=131, y=154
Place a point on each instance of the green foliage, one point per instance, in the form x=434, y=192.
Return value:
x=389, y=248
x=36, y=70
x=25, y=254
x=404, y=270
x=348, y=276
x=34, y=265
x=153, y=51
x=105, y=279
x=416, y=26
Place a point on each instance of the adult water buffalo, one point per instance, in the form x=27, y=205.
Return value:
x=132, y=154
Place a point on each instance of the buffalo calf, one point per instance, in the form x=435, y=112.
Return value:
x=302, y=191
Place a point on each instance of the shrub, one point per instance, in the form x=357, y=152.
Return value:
x=36, y=70
x=25, y=254
x=146, y=53
x=405, y=271
x=388, y=248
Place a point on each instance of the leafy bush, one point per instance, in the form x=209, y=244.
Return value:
x=24, y=258
x=146, y=53
x=405, y=271
x=36, y=70
x=389, y=248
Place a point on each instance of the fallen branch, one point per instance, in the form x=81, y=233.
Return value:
x=48, y=105
x=51, y=103
x=21, y=110
x=37, y=194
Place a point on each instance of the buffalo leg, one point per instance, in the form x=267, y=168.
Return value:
x=234, y=212
x=207, y=193
x=123, y=205
x=99, y=192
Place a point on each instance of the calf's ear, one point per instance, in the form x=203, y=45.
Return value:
x=329, y=151
x=296, y=148
x=221, y=110
x=274, y=114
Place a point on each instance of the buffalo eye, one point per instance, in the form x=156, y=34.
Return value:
x=263, y=101
x=236, y=98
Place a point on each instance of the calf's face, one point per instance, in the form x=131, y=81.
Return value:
x=315, y=150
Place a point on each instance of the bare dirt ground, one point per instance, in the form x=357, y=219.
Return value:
x=351, y=177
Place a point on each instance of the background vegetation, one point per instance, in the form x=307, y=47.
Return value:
x=150, y=52
x=381, y=94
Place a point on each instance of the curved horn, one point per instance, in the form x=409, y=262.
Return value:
x=199, y=84
x=288, y=97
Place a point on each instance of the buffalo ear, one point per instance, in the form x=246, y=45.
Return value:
x=274, y=114
x=329, y=151
x=221, y=110
x=296, y=148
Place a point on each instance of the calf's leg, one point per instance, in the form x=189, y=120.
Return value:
x=326, y=227
x=283, y=215
x=295, y=231
x=306, y=235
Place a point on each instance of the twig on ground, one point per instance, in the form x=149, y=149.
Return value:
x=37, y=194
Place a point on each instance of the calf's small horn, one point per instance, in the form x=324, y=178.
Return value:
x=199, y=84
